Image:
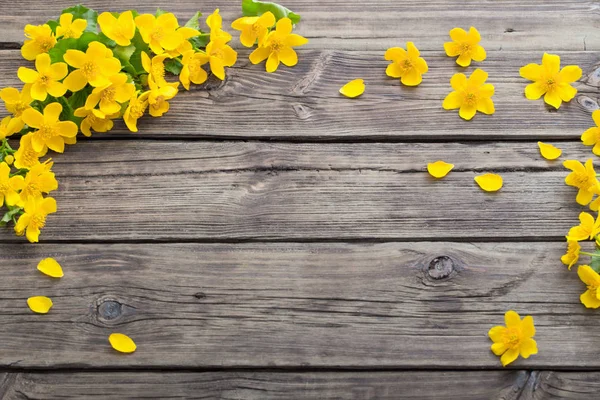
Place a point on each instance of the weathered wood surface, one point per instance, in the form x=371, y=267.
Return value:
x=389, y=305
x=376, y=25
x=418, y=385
x=303, y=102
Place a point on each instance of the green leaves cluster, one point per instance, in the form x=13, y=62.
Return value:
x=252, y=8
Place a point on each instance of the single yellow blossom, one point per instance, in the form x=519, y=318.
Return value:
x=155, y=68
x=111, y=96
x=122, y=343
x=45, y=81
x=9, y=186
x=219, y=55
x=513, y=339
x=407, y=64
x=353, y=88
x=26, y=157
x=591, y=297
x=254, y=28
x=587, y=228
x=215, y=23
x=39, y=304
x=69, y=28
x=50, y=267
x=489, y=182
x=439, y=169
x=277, y=47
x=95, y=67
x=94, y=119
x=163, y=32
x=121, y=29
x=40, y=39
x=9, y=126
x=583, y=178
x=38, y=180
x=591, y=137
x=192, y=70
x=470, y=95
x=34, y=218
x=50, y=132
x=550, y=81
x=465, y=45
x=16, y=102
x=548, y=151
x=135, y=110
x=158, y=96
x=571, y=257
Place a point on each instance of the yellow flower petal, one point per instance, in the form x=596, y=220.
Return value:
x=353, y=88
x=39, y=304
x=489, y=182
x=439, y=169
x=50, y=267
x=508, y=357
x=548, y=151
x=122, y=343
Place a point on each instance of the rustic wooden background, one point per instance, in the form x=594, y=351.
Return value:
x=269, y=239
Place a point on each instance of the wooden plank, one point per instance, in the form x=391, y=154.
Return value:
x=466, y=385
x=334, y=305
x=338, y=24
x=303, y=102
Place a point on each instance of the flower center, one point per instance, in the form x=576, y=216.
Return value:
x=46, y=132
x=68, y=34
x=89, y=69
x=108, y=94
x=276, y=45
x=465, y=48
x=31, y=190
x=470, y=98
x=44, y=80
x=20, y=107
x=136, y=109
x=4, y=187
x=512, y=338
x=45, y=44
x=38, y=221
x=583, y=181
x=158, y=72
x=157, y=34
x=29, y=157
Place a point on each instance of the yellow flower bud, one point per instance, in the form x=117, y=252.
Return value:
x=9, y=160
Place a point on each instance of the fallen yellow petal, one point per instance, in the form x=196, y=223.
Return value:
x=50, y=267
x=489, y=182
x=548, y=151
x=122, y=343
x=439, y=169
x=39, y=304
x=353, y=88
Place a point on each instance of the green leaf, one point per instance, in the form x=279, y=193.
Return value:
x=595, y=263
x=78, y=99
x=193, y=22
x=252, y=8
x=136, y=63
x=81, y=12
x=174, y=66
x=105, y=40
x=124, y=53
x=8, y=216
x=53, y=24
x=58, y=51
x=159, y=12
x=199, y=42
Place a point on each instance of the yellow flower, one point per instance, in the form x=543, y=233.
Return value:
x=192, y=70
x=489, y=182
x=135, y=110
x=591, y=297
x=45, y=81
x=9, y=186
x=50, y=131
x=353, y=88
x=215, y=23
x=111, y=96
x=591, y=137
x=155, y=68
x=465, y=45
x=121, y=29
x=439, y=169
x=16, y=102
x=587, y=228
x=406, y=64
x=514, y=339
x=94, y=119
x=40, y=40
x=254, y=28
x=9, y=126
x=158, y=96
x=277, y=47
x=470, y=95
x=571, y=257
x=39, y=179
x=550, y=81
x=219, y=55
x=95, y=67
x=34, y=218
x=583, y=178
x=163, y=32
x=548, y=151
x=69, y=28
x=186, y=33
x=26, y=157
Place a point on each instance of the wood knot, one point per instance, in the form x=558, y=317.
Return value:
x=509, y=30
x=200, y=295
x=302, y=112
x=109, y=310
x=441, y=267
x=588, y=103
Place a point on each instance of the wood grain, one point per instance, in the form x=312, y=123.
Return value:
x=388, y=305
x=377, y=25
x=303, y=102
